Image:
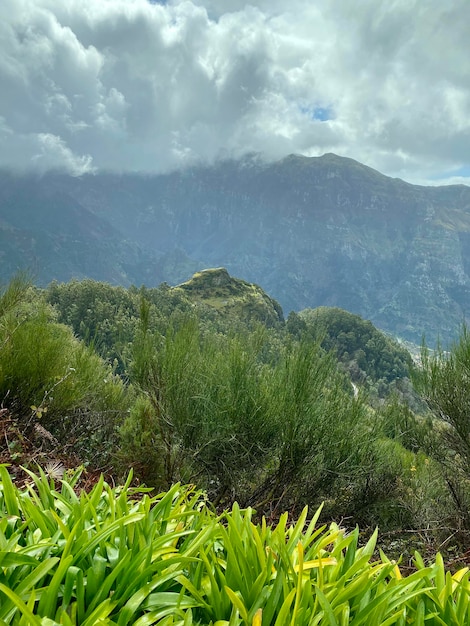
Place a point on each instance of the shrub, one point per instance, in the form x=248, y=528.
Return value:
x=49, y=377
x=442, y=379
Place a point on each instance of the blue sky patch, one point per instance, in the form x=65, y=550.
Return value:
x=463, y=171
x=322, y=114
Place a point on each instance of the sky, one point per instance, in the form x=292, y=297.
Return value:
x=134, y=85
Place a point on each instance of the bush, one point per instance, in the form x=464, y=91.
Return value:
x=443, y=381
x=222, y=411
x=204, y=409
x=48, y=377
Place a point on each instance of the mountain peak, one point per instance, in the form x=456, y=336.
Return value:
x=208, y=279
x=331, y=159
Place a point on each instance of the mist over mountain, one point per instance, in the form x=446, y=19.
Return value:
x=321, y=231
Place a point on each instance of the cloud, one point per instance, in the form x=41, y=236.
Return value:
x=138, y=85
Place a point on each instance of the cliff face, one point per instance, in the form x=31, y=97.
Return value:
x=45, y=230
x=311, y=231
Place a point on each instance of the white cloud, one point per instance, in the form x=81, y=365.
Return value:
x=55, y=154
x=41, y=152
x=129, y=84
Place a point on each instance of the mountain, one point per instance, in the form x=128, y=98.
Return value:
x=321, y=231
x=47, y=232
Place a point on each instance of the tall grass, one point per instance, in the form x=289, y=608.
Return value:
x=120, y=556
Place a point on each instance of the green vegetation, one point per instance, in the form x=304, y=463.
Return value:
x=53, y=386
x=221, y=409
x=108, y=318
x=369, y=356
x=117, y=556
x=443, y=382
x=228, y=295
x=186, y=386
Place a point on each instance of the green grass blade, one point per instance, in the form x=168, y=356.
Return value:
x=20, y=605
x=283, y=615
x=326, y=606
x=9, y=492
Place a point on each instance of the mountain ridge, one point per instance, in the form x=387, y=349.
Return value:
x=311, y=231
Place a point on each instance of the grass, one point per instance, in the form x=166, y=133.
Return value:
x=122, y=556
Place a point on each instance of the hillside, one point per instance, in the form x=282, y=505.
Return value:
x=312, y=232
x=358, y=345
x=109, y=317
x=179, y=384
x=44, y=230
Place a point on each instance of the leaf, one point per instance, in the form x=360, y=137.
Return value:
x=258, y=618
x=21, y=606
x=237, y=603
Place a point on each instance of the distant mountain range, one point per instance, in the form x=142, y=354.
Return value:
x=310, y=231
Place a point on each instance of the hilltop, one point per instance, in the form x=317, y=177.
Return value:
x=217, y=289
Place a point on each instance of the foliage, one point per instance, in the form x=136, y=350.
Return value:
x=443, y=381
x=400, y=423
x=207, y=397
x=48, y=377
x=107, y=317
x=269, y=429
x=116, y=556
x=367, y=354
x=255, y=414
x=320, y=429
x=101, y=315
x=112, y=556
x=263, y=415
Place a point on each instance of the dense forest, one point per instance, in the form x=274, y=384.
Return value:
x=208, y=384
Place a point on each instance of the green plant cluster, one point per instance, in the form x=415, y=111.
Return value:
x=442, y=380
x=266, y=415
x=119, y=556
x=248, y=424
x=52, y=383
